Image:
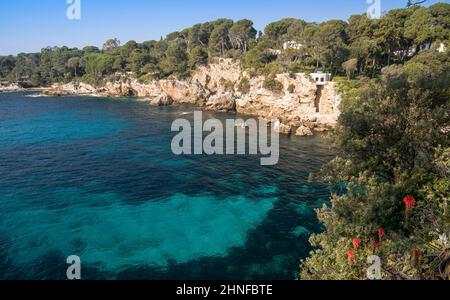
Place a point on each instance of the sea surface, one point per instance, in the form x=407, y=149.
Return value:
x=96, y=178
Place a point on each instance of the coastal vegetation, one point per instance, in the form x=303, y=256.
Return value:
x=358, y=47
x=393, y=164
x=393, y=161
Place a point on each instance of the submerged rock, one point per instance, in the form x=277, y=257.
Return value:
x=301, y=231
x=146, y=100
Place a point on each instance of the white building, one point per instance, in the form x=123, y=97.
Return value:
x=442, y=48
x=292, y=45
x=274, y=51
x=321, y=78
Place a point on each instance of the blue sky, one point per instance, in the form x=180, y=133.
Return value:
x=29, y=25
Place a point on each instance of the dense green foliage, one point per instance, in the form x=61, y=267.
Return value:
x=175, y=55
x=244, y=85
x=392, y=141
x=361, y=46
x=272, y=84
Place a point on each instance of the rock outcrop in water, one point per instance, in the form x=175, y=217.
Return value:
x=221, y=102
x=9, y=87
x=162, y=100
x=303, y=131
x=301, y=107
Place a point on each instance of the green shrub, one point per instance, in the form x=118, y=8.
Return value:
x=383, y=131
x=227, y=84
x=146, y=78
x=270, y=70
x=291, y=88
x=244, y=85
x=296, y=67
x=273, y=85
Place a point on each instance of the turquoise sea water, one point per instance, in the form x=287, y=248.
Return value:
x=95, y=177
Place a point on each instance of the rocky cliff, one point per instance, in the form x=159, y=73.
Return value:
x=9, y=87
x=301, y=107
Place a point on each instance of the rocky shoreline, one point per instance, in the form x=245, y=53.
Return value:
x=301, y=107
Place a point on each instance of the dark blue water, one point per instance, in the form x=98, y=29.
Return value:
x=96, y=177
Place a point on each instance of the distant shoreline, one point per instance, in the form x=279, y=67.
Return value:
x=299, y=104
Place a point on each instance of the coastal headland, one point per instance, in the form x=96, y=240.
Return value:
x=301, y=107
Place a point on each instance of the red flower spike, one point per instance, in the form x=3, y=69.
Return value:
x=375, y=245
x=350, y=255
x=416, y=253
x=409, y=201
x=381, y=233
x=356, y=243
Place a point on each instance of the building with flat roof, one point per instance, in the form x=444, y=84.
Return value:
x=321, y=78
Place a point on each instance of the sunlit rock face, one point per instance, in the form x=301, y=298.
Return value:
x=282, y=128
x=303, y=131
x=222, y=102
x=301, y=102
x=162, y=100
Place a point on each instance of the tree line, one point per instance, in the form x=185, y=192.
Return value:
x=359, y=46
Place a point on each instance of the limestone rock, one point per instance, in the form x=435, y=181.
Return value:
x=282, y=128
x=54, y=93
x=303, y=131
x=222, y=102
x=162, y=100
x=6, y=87
x=217, y=74
x=214, y=87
